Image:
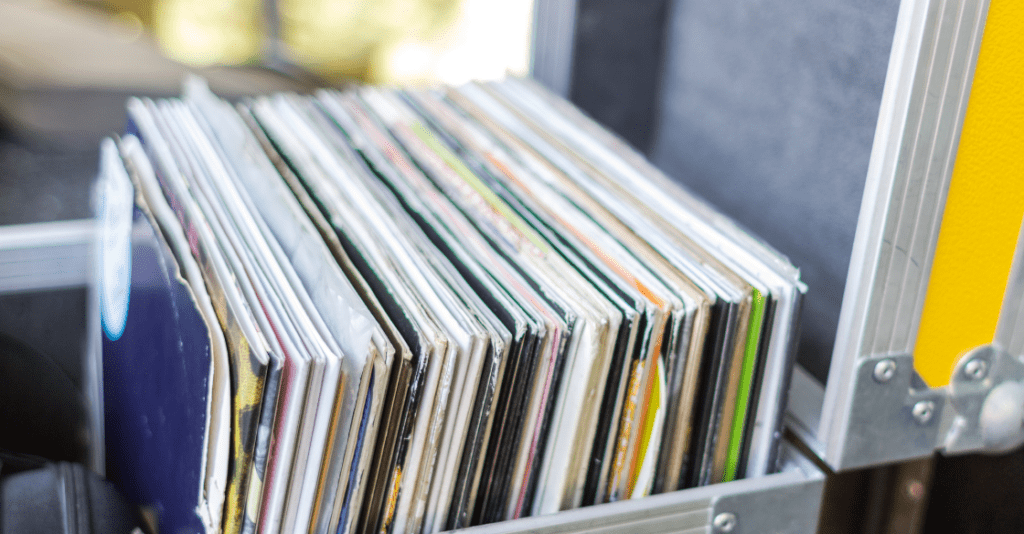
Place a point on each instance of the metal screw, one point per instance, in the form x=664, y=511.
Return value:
x=923, y=411
x=724, y=522
x=976, y=369
x=884, y=370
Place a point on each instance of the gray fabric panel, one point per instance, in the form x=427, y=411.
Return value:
x=618, y=57
x=768, y=110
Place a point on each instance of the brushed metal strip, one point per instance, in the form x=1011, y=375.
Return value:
x=554, y=36
x=803, y=411
x=929, y=169
x=693, y=521
x=943, y=155
x=866, y=254
x=42, y=256
x=892, y=255
x=92, y=383
x=1010, y=329
x=619, y=515
x=790, y=496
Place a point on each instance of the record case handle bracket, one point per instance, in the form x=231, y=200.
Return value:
x=895, y=416
x=987, y=401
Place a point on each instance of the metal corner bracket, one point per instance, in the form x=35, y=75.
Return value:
x=893, y=416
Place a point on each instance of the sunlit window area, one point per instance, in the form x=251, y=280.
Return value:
x=384, y=41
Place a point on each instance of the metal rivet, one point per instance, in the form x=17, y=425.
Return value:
x=923, y=411
x=884, y=370
x=915, y=490
x=724, y=522
x=976, y=369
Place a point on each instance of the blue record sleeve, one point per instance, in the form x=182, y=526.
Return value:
x=156, y=373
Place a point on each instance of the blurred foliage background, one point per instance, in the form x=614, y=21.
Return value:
x=382, y=41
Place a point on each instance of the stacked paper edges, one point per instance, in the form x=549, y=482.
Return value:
x=411, y=311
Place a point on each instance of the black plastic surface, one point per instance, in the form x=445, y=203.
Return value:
x=63, y=498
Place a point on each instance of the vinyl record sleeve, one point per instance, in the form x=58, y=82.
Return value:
x=248, y=349
x=628, y=459
x=491, y=494
x=594, y=385
x=725, y=404
x=453, y=300
x=437, y=355
x=729, y=436
x=407, y=369
x=742, y=435
x=164, y=346
x=451, y=307
x=494, y=398
x=162, y=219
x=260, y=190
x=256, y=287
x=364, y=361
x=269, y=403
x=712, y=229
x=465, y=336
x=586, y=312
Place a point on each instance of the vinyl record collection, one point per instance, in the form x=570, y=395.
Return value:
x=419, y=310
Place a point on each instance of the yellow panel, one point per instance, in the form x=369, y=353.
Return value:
x=984, y=207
